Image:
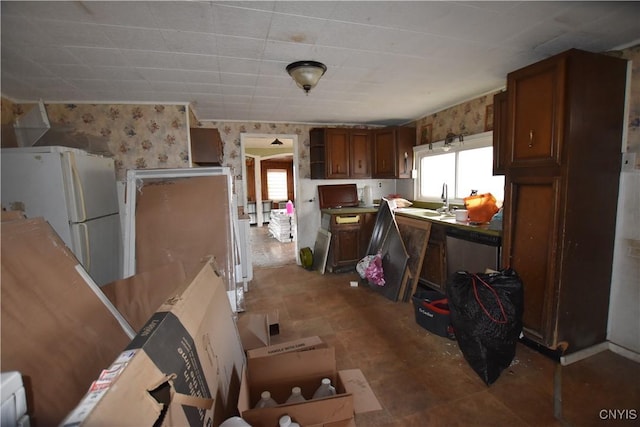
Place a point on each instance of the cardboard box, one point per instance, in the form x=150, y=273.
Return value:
x=308, y=343
x=182, y=369
x=55, y=329
x=281, y=372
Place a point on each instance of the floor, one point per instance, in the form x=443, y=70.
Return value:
x=422, y=379
x=267, y=251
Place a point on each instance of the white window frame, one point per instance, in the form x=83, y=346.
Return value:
x=470, y=142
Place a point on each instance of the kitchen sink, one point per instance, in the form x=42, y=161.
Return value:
x=428, y=213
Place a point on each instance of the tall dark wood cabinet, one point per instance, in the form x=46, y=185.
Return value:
x=562, y=157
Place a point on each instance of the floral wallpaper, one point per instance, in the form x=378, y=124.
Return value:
x=136, y=136
x=468, y=118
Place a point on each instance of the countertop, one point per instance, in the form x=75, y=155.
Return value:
x=426, y=215
x=418, y=213
x=350, y=210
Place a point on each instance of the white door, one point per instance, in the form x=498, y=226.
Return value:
x=90, y=186
x=97, y=245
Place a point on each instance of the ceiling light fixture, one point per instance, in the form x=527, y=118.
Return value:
x=306, y=73
x=276, y=142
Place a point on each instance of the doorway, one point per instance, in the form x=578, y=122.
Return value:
x=266, y=160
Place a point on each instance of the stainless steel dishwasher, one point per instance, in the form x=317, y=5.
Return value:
x=471, y=250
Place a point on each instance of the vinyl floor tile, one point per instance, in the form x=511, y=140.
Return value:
x=422, y=379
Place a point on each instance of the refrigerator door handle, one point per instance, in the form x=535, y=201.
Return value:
x=78, y=191
x=84, y=246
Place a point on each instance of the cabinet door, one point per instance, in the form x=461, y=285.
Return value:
x=536, y=108
x=206, y=146
x=337, y=153
x=500, y=132
x=405, y=140
x=434, y=266
x=367, y=223
x=360, y=145
x=346, y=249
x=385, y=154
x=530, y=247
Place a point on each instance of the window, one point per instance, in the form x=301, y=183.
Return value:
x=466, y=166
x=277, y=184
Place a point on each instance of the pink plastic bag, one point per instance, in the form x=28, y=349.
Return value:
x=374, y=273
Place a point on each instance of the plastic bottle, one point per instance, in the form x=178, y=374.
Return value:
x=285, y=421
x=266, y=401
x=325, y=389
x=235, y=422
x=296, y=396
x=289, y=208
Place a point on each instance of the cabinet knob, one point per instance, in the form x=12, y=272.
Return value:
x=531, y=138
x=359, y=164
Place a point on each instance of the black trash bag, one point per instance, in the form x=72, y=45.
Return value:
x=486, y=314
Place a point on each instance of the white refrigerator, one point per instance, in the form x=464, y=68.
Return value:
x=76, y=193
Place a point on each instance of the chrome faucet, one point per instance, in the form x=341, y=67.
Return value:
x=445, y=199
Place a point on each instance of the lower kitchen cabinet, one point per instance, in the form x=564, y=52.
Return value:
x=349, y=240
x=434, y=266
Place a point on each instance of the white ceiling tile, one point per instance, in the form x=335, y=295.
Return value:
x=196, y=62
x=239, y=47
x=98, y=56
x=232, y=21
x=73, y=33
x=184, y=15
x=189, y=42
x=150, y=59
x=203, y=88
x=296, y=29
x=237, y=90
x=239, y=65
x=210, y=77
x=386, y=60
x=135, y=14
x=234, y=79
x=135, y=38
x=163, y=75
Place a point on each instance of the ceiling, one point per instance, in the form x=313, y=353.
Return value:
x=388, y=62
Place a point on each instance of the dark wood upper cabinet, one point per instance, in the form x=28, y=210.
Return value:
x=393, y=152
x=562, y=168
x=206, y=146
x=340, y=153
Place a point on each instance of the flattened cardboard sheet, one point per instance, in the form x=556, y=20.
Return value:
x=138, y=297
x=55, y=330
x=354, y=382
x=183, y=219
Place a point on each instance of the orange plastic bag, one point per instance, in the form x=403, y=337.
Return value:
x=481, y=207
